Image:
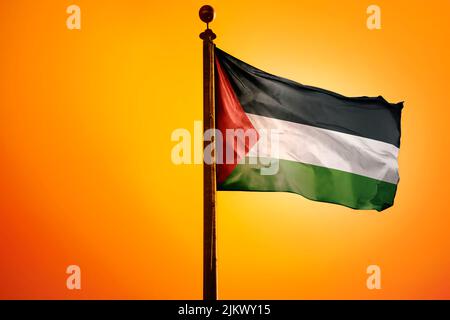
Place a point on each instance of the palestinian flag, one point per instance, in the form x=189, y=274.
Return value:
x=330, y=147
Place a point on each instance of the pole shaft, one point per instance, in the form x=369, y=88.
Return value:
x=209, y=174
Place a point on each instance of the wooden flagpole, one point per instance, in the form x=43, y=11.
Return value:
x=207, y=14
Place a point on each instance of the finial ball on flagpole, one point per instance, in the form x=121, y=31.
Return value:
x=207, y=14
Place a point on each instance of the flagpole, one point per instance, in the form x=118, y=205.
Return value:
x=207, y=14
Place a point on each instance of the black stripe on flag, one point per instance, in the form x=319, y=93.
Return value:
x=267, y=95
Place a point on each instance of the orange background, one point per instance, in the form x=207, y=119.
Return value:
x=86, y=176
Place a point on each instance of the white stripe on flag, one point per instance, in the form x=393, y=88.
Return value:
x=328, y=148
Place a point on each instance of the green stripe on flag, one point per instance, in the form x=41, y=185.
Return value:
x=313, y=182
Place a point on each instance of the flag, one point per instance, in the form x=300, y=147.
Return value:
x=329, y=147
